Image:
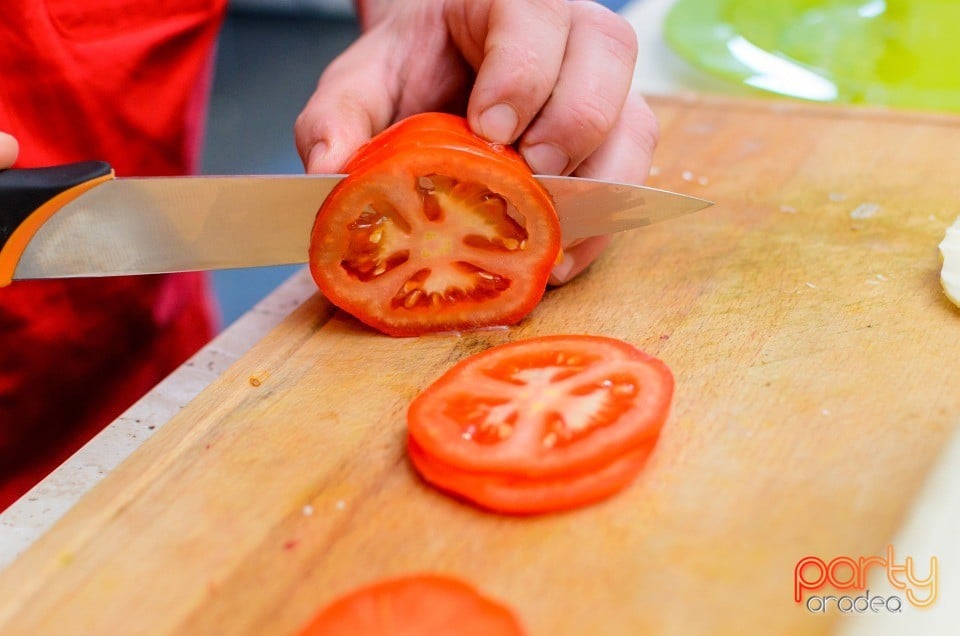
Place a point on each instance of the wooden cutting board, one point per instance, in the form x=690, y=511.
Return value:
x=814, y=354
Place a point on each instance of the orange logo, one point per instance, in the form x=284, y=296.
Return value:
x=812, y=574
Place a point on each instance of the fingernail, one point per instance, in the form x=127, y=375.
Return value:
x=316, y=156
x=499, y=123
x=563, y=271
x=546, y=159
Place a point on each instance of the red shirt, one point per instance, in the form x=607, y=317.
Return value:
x=125, y=81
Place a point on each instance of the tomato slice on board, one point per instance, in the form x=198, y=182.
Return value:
x=433, y=230
x=541, y=408
x=419, y=605
x=526, y=495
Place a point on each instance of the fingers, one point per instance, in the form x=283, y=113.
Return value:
x=407, y=64
x=9, y=149
x=577, y=258
x=355, y=98
x=565, y=95
x=553, y=74
x=624, y=156
x=627, y=152
x=518, y=64
x=591, y=88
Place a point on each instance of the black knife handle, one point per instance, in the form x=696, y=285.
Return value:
x=30, y=196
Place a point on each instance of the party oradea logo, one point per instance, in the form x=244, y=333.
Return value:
x=814, y=579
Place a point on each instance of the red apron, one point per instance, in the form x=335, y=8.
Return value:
x=124, y=81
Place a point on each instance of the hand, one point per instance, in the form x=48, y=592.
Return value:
x=551, y=76
x=8, y=150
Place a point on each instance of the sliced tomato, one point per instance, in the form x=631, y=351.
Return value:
x=540, y=425
x=542, y=408
x=434, y=229
x=522, y=495
x=419, y=605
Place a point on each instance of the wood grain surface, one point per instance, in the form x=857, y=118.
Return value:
x=814, y=353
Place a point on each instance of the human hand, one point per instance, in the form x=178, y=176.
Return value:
x=553, y=77
x=9, y=149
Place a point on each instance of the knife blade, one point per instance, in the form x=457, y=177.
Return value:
x=77, y=220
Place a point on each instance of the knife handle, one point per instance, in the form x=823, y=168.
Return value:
x=30, y=196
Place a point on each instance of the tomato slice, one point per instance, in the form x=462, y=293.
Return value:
x=418, y=605
x=434, y=229
x=521, y=495
x=542, y=408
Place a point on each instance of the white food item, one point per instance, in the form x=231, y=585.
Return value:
x=950, y=274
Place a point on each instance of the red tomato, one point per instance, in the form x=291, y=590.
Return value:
x=525, y=495
x=541, y=424
x=435, y=229
x=421, y=605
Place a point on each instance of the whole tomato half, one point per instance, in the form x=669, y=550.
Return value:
x=435, y=229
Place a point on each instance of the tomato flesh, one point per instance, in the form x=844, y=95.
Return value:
x=543, y=406
x=381, y=239
x=535, y=416
x=423, y=238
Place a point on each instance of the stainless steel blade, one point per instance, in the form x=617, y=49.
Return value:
x=171, y=224
x=590, y=207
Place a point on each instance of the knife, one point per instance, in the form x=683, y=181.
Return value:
x=79, y=220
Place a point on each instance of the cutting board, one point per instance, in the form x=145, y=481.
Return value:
x=814, y=354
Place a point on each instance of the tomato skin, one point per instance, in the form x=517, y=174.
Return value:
x=416, y=605
x=519, y=495
x=425, y=131
x=384, y=182
x=540, y=425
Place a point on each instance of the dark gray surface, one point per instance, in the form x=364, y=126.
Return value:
x=267, y=67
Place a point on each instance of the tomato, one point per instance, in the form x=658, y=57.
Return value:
x=524, y=495
x=434, y=229
x=541, y=424
x=419, y=605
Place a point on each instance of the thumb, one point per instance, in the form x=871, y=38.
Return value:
x=577, y=258
x=354, y=100
x=9, y=149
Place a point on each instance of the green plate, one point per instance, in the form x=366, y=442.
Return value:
x=900, y=53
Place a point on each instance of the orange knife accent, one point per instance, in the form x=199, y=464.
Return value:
x=13, y=249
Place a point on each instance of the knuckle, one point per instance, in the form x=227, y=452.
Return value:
x=593, y=118
x=556, y=11
x=527, y=71
x=305, y=132
x=641, y=124
x=618, y=37
x=302, y=125
x=308, y=127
